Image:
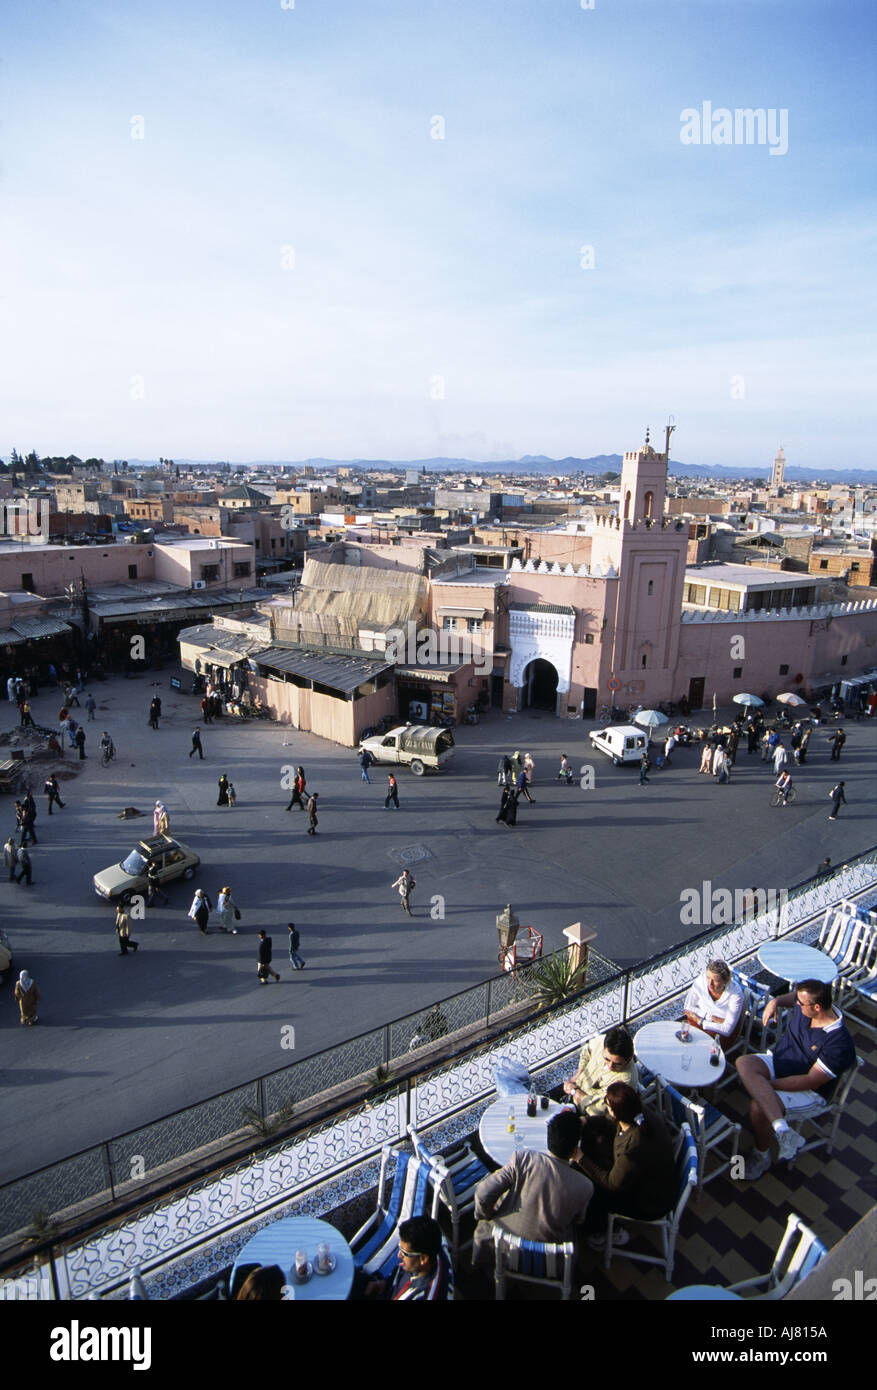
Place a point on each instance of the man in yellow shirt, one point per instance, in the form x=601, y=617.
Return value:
x=603, y=1060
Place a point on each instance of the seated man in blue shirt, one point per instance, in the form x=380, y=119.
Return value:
x=814, y=1051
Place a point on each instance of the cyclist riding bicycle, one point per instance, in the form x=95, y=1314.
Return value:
x=783, y=785
x=107, y=747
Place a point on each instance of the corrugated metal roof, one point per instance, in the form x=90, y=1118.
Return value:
x=344, y=673
x=27, y=629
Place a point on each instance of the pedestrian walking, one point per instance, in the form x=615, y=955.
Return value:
x=752, y=735
x=25, y=716
x=25, y=818
x=312, y=813
x=206, y=711
x=79, y=739
x=669, y=744
x=228, y=912
x=365, y=762
x=153, y=885
x=222, y=799
x=298, y=789
x=52, y=790
x=10, y=690
x=521, y=786
x=392, y=793
x=10, y=855
x=721, y=766
x=25, y=865
x=644, y=766
x=263, y=969
x=837, y=797
x=161, y=824
x=232, y=795
x=508, y=807
x=200, y=910
x=733, y=742
x=405, y=883
x=90, y=706
x=71, y=696
x=517, y=765
x=504, y=771
x=27, y=997
x=72, y=728
x=837, y=743
x=196, y=744
x=123, y=931
x=295, y=959
x=780, y=759
x=804, y=745
x=154, y=711
x=706, y=759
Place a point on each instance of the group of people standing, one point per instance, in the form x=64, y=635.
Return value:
x=514, y=774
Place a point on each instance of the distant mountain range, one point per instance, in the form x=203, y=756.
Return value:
x=543, y=466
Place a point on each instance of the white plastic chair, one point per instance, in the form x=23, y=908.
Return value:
x=823, y=1116
x=533, y=1262
x=457, y=1174
x=710, y=1128
x=792, y=1262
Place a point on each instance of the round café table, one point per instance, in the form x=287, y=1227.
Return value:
x=703, y=1293
x=531, y=1134
x=791, y=961
x=276, y=1245
x=659, y=1049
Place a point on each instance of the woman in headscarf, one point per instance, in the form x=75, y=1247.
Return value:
x=200, y=910
x=227, y=911
x=222, y=799
x=27, y=996
x=160, y=820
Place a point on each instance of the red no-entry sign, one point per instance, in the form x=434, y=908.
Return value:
x=613, y=684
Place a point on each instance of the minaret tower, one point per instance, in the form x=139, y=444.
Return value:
x=778, y=472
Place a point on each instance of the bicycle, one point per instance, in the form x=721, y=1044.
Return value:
x=107, y=755
x=784, y=798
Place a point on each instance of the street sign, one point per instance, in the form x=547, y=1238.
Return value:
x=613, y=684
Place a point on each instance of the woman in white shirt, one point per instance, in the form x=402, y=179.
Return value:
x=715, y=1003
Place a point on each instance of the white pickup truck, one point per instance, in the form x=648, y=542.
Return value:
x=418, y=746
x=624, y=743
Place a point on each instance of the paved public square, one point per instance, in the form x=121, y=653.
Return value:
x=125, y=1040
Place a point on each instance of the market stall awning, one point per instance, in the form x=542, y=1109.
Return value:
x=344, y=673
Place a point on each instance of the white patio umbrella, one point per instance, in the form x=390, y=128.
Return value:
x=649, y=719
x=748, y=700
x=790, y=698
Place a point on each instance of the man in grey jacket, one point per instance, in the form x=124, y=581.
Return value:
x=536, y=1195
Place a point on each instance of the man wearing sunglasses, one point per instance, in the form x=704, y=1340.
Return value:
x=424, y=1275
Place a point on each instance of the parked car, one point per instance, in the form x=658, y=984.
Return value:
x=173, y=860
x=624, y=743
x=418, y=746
x=5, y=955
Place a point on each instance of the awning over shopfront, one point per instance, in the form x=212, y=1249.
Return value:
x=440, y=674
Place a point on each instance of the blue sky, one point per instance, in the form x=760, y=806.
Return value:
x=288, y=264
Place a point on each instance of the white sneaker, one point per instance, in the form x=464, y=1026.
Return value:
x=757, y=1165
x=789, y=1143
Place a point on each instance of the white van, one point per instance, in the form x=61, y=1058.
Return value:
x=624, y=743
